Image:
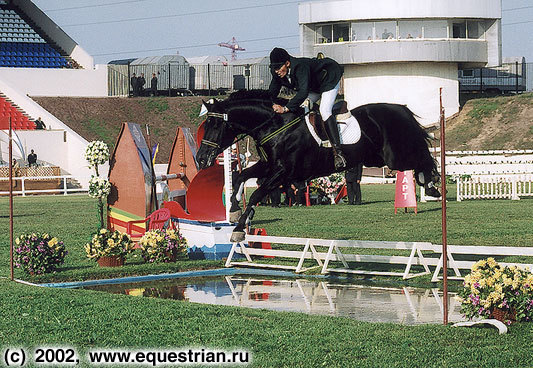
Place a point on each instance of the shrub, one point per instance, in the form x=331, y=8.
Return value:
x=107, y=243
x=162, y=245
x=38, y=253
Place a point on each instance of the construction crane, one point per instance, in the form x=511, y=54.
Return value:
x=234, y=46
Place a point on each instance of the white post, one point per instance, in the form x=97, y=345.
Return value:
x=227, y=180
x=23, y=187
x=64, y=185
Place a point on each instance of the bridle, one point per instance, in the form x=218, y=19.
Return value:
x=224, y=117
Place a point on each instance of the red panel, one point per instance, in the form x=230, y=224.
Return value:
x=204, y=197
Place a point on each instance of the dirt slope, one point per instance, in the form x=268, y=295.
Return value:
x=493, y=123
x=484, y=123
x=102, y=118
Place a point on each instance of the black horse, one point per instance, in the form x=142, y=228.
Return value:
x=390, y=136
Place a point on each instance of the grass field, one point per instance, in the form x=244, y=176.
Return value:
x=87, y=319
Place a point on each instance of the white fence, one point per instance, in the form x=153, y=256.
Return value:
x=496, y=174
x=494, y=187
x=23, y=191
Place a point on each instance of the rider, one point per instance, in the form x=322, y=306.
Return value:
x=311, y=78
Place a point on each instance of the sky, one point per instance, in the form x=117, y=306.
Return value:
x=120, y=29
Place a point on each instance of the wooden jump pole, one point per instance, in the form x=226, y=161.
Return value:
x=443, y=206
x=11, y=200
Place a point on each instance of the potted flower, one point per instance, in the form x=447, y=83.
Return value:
x=109, y=248
x=493, y=291
x=162, y=245
x=38, y=253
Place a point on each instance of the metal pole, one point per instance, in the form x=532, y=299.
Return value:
x=516, y=74
x=169, y=89
x=209, y=79
x=11, y=200
x=481, y=80
x=443, y=205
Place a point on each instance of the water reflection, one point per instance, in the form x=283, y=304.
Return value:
x=365, y=303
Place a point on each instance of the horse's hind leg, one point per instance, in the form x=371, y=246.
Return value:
x=428, y=178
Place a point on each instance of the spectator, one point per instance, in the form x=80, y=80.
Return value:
x=133, y=83
x=153, y=85
x=32, y=159
x=39, y=124
x=353, y=184
x=140, y=85
x=16, y=171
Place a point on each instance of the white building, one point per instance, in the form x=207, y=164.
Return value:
x=403, y=51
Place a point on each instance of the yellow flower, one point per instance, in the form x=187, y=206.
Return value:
x=52, y=242
x=17, y=241
x=110, y=242
x=491, y=262
x=103, y=231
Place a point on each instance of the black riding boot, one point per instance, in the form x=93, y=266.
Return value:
x=332, y=131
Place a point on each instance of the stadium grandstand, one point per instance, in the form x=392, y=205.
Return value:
x=37, y=58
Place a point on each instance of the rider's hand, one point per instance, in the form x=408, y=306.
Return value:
x=279, y=109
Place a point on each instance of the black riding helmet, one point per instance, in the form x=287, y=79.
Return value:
x=278, y=57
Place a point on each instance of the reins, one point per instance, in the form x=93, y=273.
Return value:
x=265, y=139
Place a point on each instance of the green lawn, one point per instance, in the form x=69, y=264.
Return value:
x=86, y=319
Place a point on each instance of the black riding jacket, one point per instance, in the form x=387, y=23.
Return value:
x=307, y=75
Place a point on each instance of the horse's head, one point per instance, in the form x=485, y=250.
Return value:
x=218, y=134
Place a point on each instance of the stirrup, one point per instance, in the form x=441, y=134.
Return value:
x=340, y=161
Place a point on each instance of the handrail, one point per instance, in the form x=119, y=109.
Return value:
x=25, y=191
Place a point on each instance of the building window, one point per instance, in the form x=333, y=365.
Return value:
x=341, y=32
x=459, y=29
x=467, y=73
x=324, y=34
x=474, y=29
x=362, y=31
x=385, y=30
x=435, y=29
x=410, y=29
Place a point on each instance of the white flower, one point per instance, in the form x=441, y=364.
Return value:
x=98, y=187
x=96, y=153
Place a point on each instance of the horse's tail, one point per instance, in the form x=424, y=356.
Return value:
x=404, y=142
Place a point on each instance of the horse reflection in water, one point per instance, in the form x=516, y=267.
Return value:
x=391, y=136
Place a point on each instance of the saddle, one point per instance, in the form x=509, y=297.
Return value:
x=341, y=112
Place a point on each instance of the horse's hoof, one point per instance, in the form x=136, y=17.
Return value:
x=237, y=236
x=235, y=216
x=432, y=192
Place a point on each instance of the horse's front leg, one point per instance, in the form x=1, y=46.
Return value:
x=239, y=179
x=273, y=182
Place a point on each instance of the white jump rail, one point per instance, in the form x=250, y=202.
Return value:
x=25, y=191
x=485, y=251
x=334, y=253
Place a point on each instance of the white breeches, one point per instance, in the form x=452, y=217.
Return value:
x=327, y=100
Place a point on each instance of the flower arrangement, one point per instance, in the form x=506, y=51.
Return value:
x=38, y=253
x=96, y=153
x=162, y=245
x=106, y=243
x=491, y=290
x=98, y=187
x=329, y=184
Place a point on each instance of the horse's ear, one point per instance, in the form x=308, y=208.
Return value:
x=205, y=109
